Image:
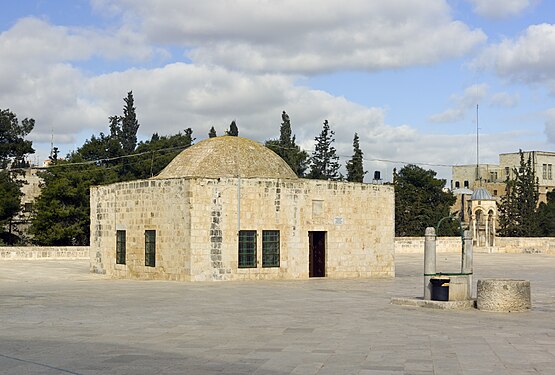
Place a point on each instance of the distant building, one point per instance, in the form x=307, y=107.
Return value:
x=31, y=190
x=492, y=177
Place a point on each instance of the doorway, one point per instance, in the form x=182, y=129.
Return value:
x=317, y=254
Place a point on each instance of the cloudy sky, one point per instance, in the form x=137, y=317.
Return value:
x=405, y=75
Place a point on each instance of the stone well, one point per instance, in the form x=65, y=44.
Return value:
x=503, y=295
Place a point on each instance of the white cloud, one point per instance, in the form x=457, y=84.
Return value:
x=499, y=8
x=302, y=36
x=530, y=58
x=462, y=103
x=550, y=125
x=31, y=43
x=504, y=100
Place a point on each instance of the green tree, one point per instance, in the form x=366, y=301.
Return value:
x=62, y=211
x=123, y=129
x=129, y=125
x=546, y=213
x=420, y=202
x=287, y=148
x=233, y=129
x=355, y=166
x=13, y=149
x=212, y=133
x=62, y=215
x=517, y=210
x=10, y=205
x=13, y=145
x=324, y=161
x=156, y=153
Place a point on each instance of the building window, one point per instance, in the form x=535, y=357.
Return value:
x=466, y=184
x=247, y=249
x=270, y=248
x=544, y=171
x=550, y=171
x=495, y=192
x=120, y=247
x=28, y=207
x=507, y=171
x=457, y=184
x=150, y=248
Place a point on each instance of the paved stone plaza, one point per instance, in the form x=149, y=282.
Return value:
x=56, y=318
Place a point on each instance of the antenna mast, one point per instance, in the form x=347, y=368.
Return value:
x=51, y=141
x=477, y=147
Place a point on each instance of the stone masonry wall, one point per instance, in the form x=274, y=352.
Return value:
x=415, y=245
x=358, y=219
x=197, y=222
x=44, y=252
x=531, y=245
x=160, y=205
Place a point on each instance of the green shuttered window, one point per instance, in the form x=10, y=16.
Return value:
x=270, y=248
x=247, y=249
x=150, y=248
x=120, y=247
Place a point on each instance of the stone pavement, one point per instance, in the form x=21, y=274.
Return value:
x=56, y=318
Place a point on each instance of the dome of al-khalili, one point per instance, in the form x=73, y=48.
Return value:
x=227, y=156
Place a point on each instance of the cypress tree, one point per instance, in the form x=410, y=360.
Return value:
x=287, y=148
x=355, y=167
x=233, y=129
x=518, y=215
x=129, y=125
x=212, y=133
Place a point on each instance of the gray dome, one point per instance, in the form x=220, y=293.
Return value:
x=481, y=194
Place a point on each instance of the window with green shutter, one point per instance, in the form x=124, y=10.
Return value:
x=150, y=248
x=270, y=248
x=120, y=247
x=247, y=249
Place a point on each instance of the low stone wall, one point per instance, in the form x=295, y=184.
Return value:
x=523, y=245
x=415, y=245
x=43, y=252
x=506, y=245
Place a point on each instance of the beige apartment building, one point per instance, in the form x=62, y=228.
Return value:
x=492, y=177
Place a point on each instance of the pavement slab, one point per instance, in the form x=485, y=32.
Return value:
x=56, y=318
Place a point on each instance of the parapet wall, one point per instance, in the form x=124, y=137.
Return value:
x=44, y=252
x=508, y=245
x=414, y=245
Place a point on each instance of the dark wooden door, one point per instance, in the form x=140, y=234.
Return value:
x=317, y=254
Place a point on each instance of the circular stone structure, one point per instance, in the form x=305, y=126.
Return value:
x=503, y=295
x=227, y=156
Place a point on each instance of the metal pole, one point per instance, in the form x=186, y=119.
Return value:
x=429, y=260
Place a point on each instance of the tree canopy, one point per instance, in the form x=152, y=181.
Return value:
x=517, y=210
x=287, y=148
x=420, y=202
x=212, y=133
x=355, y=166
x=546, y=213
x=13, y=145
x=325, y=162
x=13, y=149
x=233, y=129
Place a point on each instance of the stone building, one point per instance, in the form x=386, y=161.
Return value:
x=482, y=214
x=492, y=177
x=228, y=208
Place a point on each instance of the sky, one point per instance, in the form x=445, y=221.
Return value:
x=406, y=76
